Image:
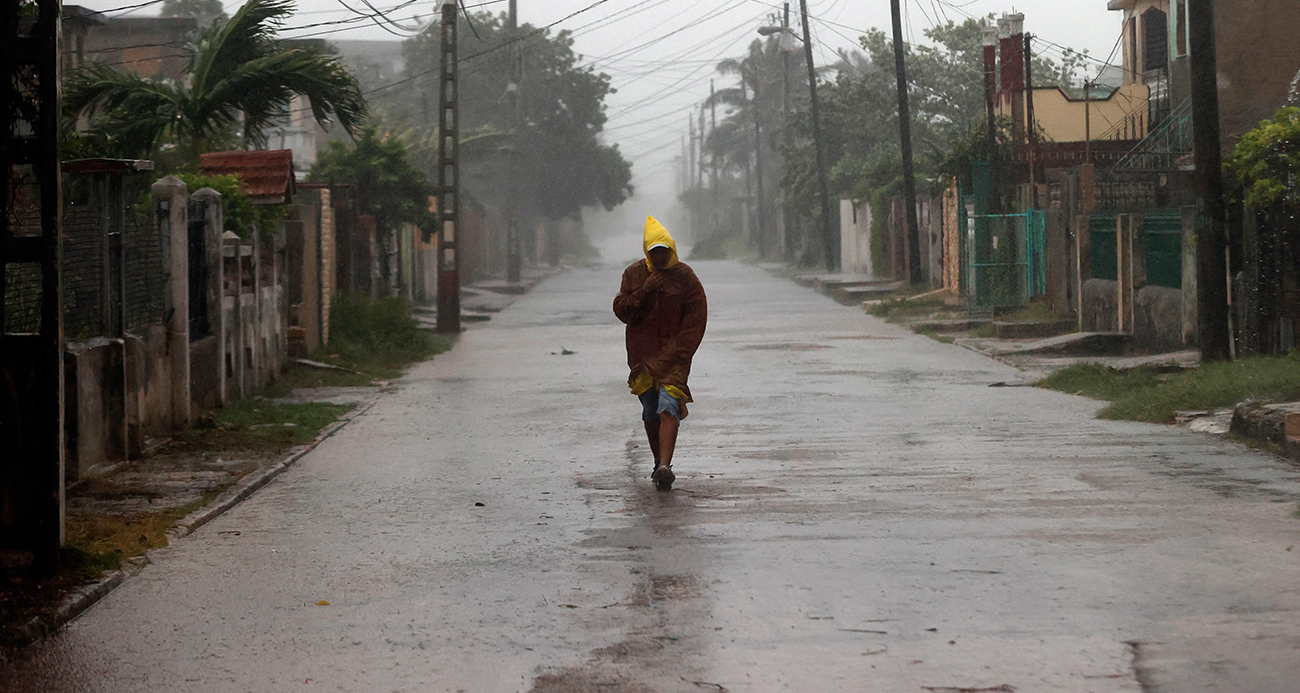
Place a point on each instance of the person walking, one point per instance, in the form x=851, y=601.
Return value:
x=664, y=307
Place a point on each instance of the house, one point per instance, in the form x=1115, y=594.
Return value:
x=148, y=46
x=1127, y=225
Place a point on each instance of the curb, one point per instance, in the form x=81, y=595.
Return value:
x=84, y=597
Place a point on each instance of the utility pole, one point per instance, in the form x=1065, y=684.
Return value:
x=828, y=238
x=990, y=108
x=1211, y=217
x=747, y=213
x=513, y=253
x=713, y=159
x=1087, y=121
x=1031, y=127
x=31, y=335
x=905, y=140
x=785, y=125
x=761, y=228
x=699, y=172
x=448, y=175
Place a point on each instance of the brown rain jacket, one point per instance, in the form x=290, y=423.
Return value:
x=664, y=327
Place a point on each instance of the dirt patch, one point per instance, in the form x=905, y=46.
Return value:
x=628, y=651
x=580, y=680
x=665, y=587
x=785, y=346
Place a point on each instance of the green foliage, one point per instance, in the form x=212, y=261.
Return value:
x=239, y=213
x=392, y=190
x=562, y=162
x=974, y=146
x=279, y=423
x=860, y=113
x=1101, y=382
x=238, y=79
x=367, y=333
x=1148, y=394
x=904, y=308
x=1265, y=165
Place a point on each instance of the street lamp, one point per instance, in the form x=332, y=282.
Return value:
x=787, y=40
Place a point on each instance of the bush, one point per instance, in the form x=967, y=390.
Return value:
x=377, y=331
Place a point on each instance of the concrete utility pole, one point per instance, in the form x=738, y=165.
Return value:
x=1211, y=236
x=513, y=253
x=828, y=237
x=448, y=175
x=31, y=337
x=990, y=108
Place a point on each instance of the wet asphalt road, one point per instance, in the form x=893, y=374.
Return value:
x=856, y=510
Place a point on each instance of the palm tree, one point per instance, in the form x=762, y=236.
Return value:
x=239, y=80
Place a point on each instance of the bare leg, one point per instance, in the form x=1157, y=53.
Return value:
x=652, y=432
x=668, y=425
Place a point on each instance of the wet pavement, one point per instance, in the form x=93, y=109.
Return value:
x=856, y=509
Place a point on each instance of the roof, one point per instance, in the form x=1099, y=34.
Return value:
x=266, y=175
x=84, y=15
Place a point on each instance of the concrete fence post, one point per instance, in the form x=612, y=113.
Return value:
x=170, y=197
x=328, y=261
x=213, y=225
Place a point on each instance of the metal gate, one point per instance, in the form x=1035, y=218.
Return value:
x=1005, y=265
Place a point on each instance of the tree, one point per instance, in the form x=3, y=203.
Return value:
x=860, y=108
x=392, y=190
x=564, y=164
x=239, y=81
x=750, y=133
x=204, y=11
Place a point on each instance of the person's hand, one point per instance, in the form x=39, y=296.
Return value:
x=654, y=282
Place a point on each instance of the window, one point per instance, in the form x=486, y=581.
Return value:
x=1155, y=40
x=1180, y=28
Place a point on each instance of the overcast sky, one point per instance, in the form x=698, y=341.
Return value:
x=661, y=54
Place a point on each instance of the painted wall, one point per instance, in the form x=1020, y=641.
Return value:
x=1122, y=116
x=855, y=238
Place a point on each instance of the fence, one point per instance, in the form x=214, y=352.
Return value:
x=1005, y=261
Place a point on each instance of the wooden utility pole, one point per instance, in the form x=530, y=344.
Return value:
x=1211, y=236
x=786, y=216
x=31, y=309
x=747, y=220
x=829, y=246
x=513, y=245
x=760, y=229
x=915, y=276
x=448, y=175
x=1031, y=125
x=713, y=160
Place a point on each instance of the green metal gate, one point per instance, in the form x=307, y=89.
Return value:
x=1005, y=261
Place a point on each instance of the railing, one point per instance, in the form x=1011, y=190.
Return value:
x=1160, y=149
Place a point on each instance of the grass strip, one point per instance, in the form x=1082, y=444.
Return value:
x=1151, y=394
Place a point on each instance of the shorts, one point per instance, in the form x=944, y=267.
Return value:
x=656, y=401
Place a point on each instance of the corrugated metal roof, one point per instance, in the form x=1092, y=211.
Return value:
x=267, y=174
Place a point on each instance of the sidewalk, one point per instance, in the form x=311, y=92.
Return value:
x=1273, y=426
x=194, y=477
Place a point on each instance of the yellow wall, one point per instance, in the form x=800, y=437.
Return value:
x=1062, y=119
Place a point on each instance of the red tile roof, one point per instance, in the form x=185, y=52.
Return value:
x=267, y=175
